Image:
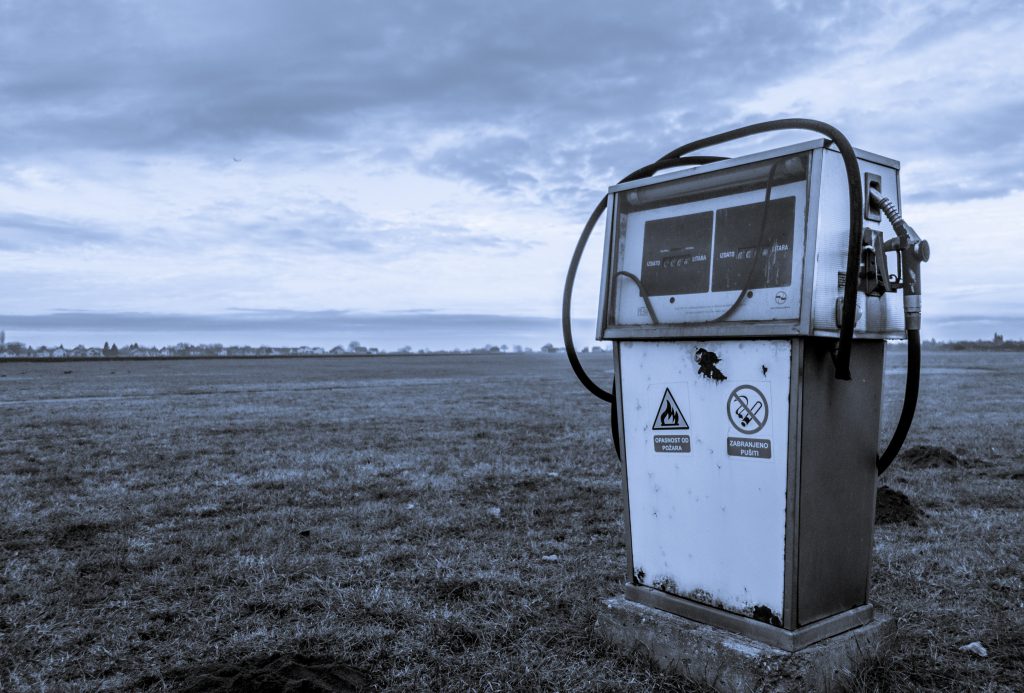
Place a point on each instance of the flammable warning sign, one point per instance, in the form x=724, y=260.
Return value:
x=670, y=416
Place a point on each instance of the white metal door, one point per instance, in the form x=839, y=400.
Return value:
x=706, y=456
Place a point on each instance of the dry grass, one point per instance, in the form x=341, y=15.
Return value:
x=401, y=515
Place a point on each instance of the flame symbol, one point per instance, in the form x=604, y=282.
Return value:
x=669, y=417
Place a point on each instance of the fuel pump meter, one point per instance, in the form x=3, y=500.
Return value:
x=749, y=301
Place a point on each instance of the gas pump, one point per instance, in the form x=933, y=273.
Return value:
x=749, y=301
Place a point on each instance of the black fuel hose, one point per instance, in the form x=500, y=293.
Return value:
x=909, y=401
x=570, y=278
x=677, y=158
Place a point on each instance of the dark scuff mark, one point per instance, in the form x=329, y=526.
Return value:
x=666, y=584
x=704, y=597
x=639, y=576
x=764, y=614
x=764, y=369
x=707, y=361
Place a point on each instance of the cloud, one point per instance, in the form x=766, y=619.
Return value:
x=203, y=76
x=929, y=85
x=21, y=232
x=485, y=160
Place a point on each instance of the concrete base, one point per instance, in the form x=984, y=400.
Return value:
x=730, y=662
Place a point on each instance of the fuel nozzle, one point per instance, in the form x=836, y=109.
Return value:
x=913, y=251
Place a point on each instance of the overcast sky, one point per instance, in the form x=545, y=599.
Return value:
x=377, y=158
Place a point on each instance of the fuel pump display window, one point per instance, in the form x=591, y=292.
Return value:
x=677, y=254
x=687, y=249
x=739, y=241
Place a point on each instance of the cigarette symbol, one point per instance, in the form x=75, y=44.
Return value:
x=746, y=413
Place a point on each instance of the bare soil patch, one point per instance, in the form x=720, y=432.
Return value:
x=933, y=456
x=892, y=507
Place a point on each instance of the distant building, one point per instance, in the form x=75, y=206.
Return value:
x=997, y=339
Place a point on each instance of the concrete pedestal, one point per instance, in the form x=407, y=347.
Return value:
x=731, y=662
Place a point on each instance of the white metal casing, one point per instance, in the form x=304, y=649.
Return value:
x=806, y=305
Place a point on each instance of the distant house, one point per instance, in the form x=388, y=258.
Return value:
x=997, y=339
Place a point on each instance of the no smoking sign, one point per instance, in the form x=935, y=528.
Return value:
x=748, y=409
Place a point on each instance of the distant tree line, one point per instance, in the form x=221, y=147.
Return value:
x=997, y=343
x=186, y=350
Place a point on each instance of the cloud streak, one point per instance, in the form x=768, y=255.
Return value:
x=284, y=328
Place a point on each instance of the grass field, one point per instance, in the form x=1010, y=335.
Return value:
x=437, y=523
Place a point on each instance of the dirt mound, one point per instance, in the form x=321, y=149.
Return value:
x=892, y=507
x=930, y=456
x=278, y=673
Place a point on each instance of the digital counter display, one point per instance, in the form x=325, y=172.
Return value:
x=738, y=240
x=677, y=254
x=678, y=257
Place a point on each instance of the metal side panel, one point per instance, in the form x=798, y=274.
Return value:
x=839, y=440
x=879, y=316
x=707, y=469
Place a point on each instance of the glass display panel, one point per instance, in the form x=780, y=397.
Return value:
x=686, y=249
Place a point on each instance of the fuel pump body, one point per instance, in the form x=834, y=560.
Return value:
x=749, y=470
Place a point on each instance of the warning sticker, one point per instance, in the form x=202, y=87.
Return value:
x=748, y=409
x=669, y=416
x=749, y=447
x=672, y=443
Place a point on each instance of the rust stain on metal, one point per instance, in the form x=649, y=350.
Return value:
x=703, y=597
x=764, y=614
x=708, y=365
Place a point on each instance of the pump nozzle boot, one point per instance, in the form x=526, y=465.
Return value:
x=914, y=251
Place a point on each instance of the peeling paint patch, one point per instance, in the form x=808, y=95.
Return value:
x=707, y=362
x=764, y=369
x=639, y=575
x=764, y=614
